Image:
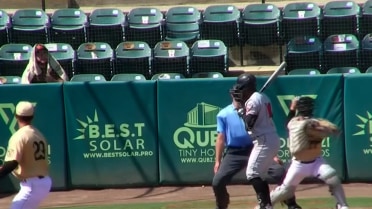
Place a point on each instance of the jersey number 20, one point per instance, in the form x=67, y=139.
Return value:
x=39, y=147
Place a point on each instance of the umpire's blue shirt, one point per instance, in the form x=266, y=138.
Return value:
x=230, y=124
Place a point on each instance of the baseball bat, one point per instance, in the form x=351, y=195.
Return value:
x=275, y=74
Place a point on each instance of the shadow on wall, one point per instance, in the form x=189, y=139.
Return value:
x=5, y=4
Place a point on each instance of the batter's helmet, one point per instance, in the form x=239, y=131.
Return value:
x=305, y=106
x=244, y=82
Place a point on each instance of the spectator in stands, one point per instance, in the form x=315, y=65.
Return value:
x=43, y=67
x=2, y=80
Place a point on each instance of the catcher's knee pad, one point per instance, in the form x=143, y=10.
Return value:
x=281, y=193
x=327, y=174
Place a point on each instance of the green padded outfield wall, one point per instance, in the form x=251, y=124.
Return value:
x=111, y=133
x=358, y=126
x=187, y=112
x=328, y=92
x=49, y=119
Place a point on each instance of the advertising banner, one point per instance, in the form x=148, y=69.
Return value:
x=111, y=133
x=49, y=119
x=358, y=127
x=187, y=123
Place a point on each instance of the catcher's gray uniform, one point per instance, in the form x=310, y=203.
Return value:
x=305, y=137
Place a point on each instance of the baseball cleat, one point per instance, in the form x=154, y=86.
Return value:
x=338, y=206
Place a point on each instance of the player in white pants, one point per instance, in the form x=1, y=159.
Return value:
x=26, y=158
x=305, y=136
x=257, y=114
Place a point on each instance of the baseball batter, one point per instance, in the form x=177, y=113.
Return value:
x=257, y=114
x=305, y=138
x=233, y=147
x=26, y=158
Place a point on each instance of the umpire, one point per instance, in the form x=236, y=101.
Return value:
x=237, y=144
x=232, y=134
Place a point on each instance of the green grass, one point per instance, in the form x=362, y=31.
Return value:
x=313, y=203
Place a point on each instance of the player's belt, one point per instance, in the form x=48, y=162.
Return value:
x=238, y=147
x=39, y=177
x=306, y=162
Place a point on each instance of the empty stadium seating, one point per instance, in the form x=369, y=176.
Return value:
x=183, y=23
x=145, y=24
x=340, y=51
x=303, y=52
x=260, y=24
x=94, y=58
x=88, y=77
x=300, y=19
x=103, y=20
x=128, y=77
x=208, y=56
x=137, y=38
x=171, y=57
x=29, y=26
x=4, y=27
x=133, y=57
x=221, y=22
x=69, y=26
x=14, y=59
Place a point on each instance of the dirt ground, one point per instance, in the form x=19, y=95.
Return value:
x=177, y=194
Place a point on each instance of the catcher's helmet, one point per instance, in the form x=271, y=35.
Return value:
x=305, y=106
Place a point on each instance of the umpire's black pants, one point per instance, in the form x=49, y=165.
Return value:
x=234, y=160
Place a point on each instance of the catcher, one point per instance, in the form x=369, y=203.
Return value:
x=305, y=145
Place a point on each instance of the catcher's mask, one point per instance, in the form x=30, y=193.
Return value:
x=245, y=82
x=305, y=106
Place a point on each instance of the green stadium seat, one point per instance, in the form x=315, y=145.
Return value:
x=92, y=77
x=29, y=26
x=166, y=76
x=365, y=19
x=344, y=70
x=145, y=24
x=14, y=59
x=366, y=52
x=94, y=58
x=304, y=71
x=340, y=51
x=221, y=22
x=340, y=17
x=170, y=57
x=69, y=26
x=303, y=52
x=103, y=20
x=65, y=55
x=4, y=27
x=260, y=24
x=10, y=79
x=208, y=75
x=128, y=77
x=369, y=70
x=300, y=19
x=133, y=57
x=182, y=23
x=208, y=56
